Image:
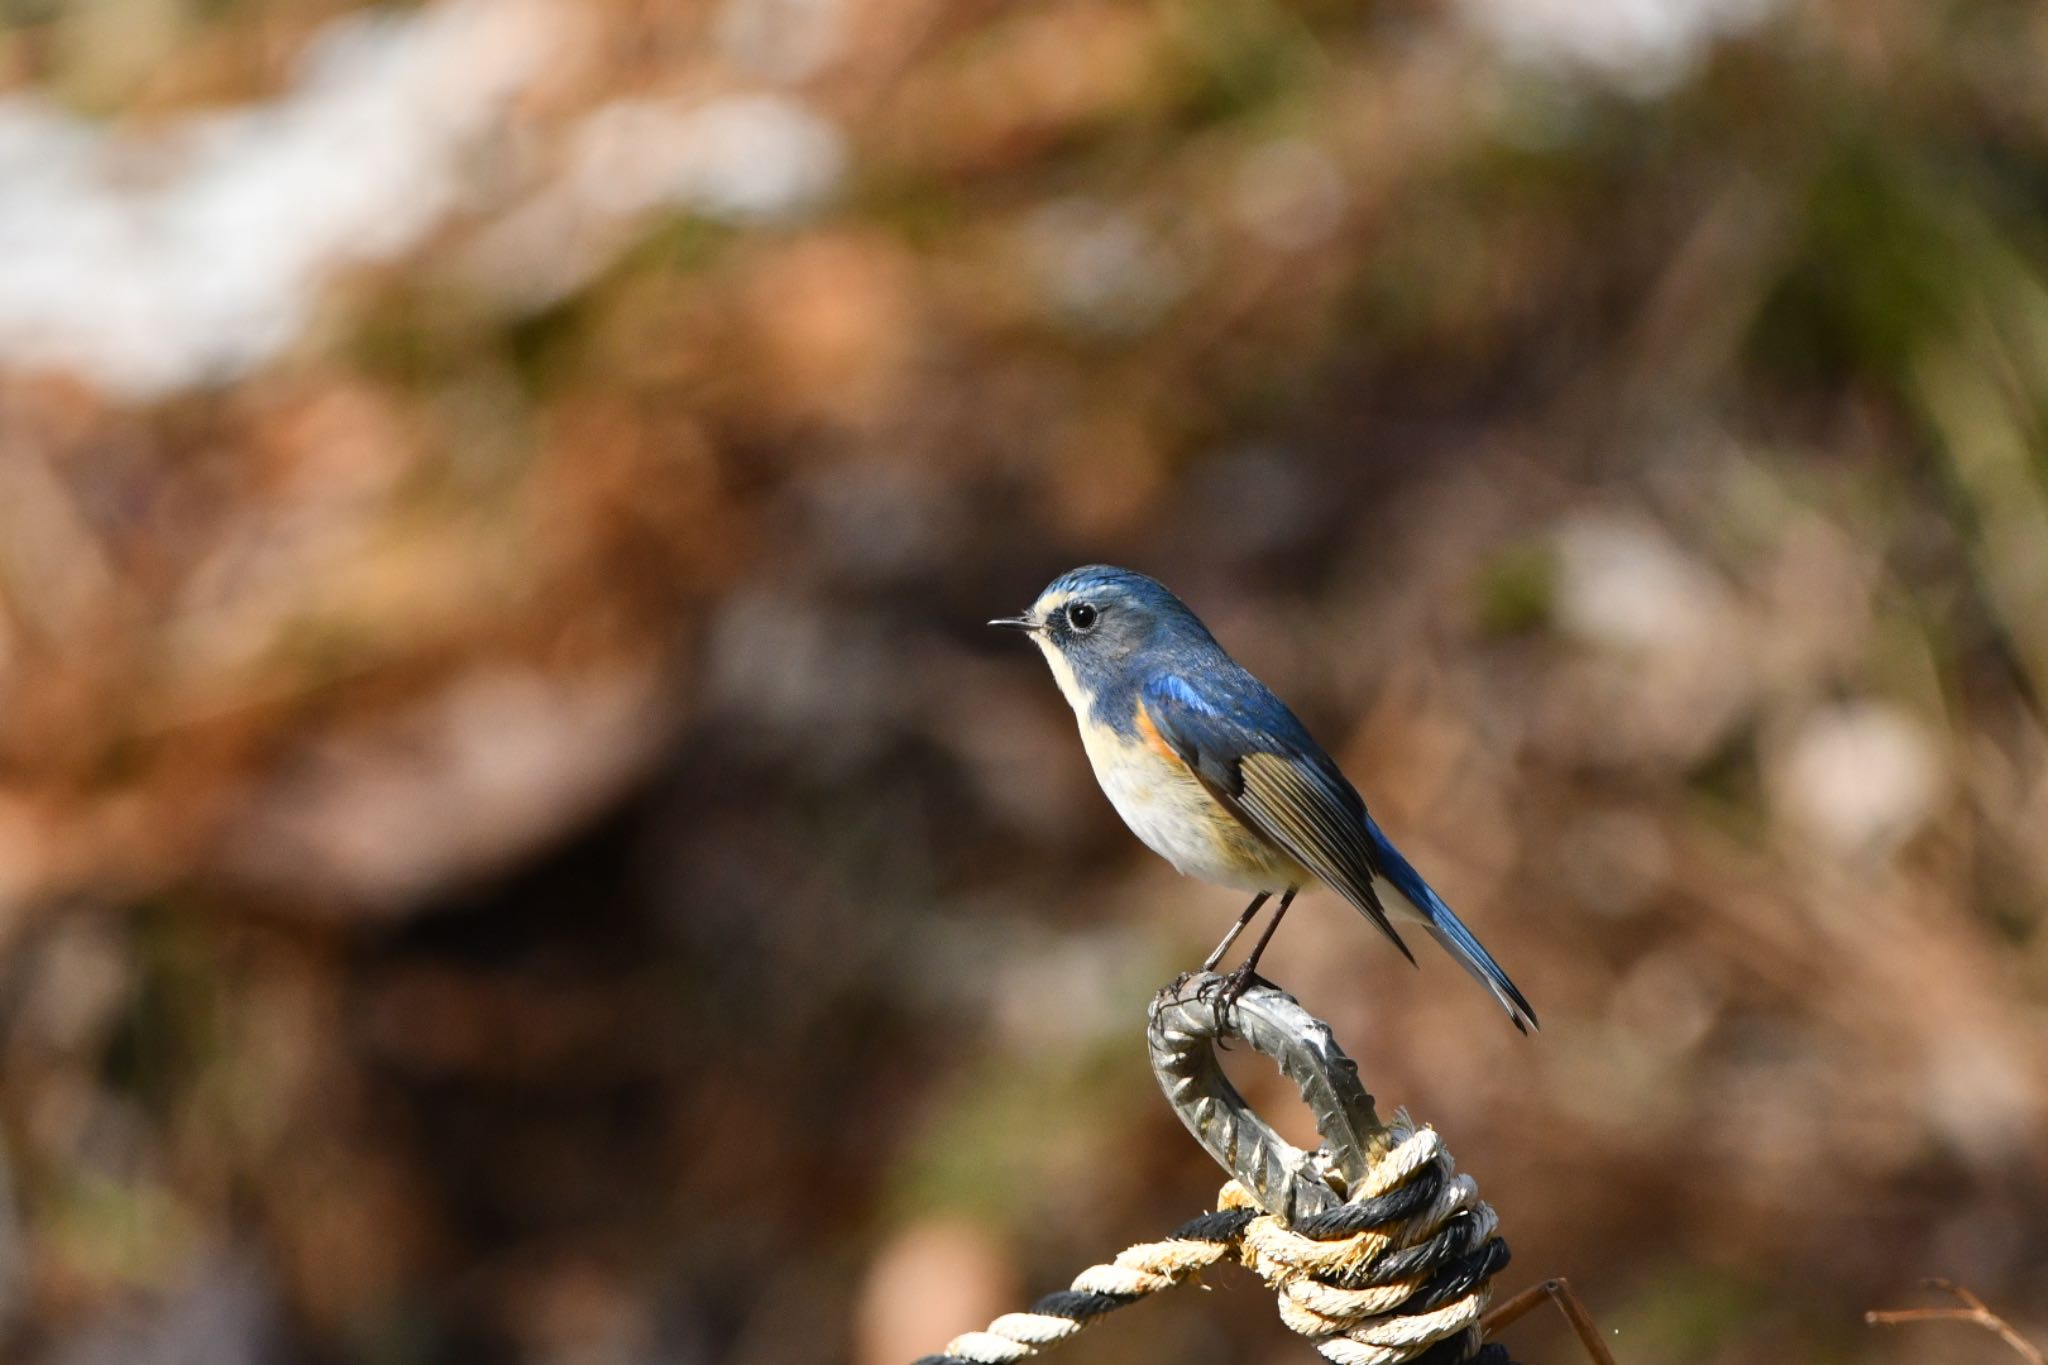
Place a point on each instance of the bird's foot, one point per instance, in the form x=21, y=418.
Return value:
x=1223, y=992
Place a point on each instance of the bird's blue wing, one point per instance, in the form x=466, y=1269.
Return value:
x=1248, y=749
x=1259, y=762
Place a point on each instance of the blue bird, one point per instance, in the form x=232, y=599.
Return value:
x=1216, y=775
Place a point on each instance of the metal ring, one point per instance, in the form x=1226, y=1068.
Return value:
x=1182, y=1028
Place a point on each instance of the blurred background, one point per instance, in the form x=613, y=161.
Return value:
x=516, y=846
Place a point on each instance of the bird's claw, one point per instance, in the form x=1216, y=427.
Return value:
x=1223, y=992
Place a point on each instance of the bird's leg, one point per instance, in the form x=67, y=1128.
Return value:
x=1209, y=963
x=1240, y=979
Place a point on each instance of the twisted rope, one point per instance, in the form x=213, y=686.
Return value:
x=1396, y=1274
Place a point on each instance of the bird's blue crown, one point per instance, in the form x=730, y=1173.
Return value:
x=1123, y=584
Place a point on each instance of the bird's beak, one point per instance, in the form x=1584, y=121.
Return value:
x=1015, y=622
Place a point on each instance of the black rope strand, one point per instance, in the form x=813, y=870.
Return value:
x=1457, y=1280
x=1365, y=1215
x=1452, y=1352
x=1456, y=1237
x=1225, y=1226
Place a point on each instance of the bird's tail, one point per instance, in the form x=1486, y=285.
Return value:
x=1405, y=891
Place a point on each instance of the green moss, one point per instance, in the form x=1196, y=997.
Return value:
x=1238, y=58
x=1876, y=274
x=170, y=1028
x=1728, y=783
x=1686, y=1314
x=1517, y=589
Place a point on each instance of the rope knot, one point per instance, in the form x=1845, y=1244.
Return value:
x=1376, y=1249
x=1398, y=1272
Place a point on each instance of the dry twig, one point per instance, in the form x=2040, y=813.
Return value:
x=1973, y=1310
x=1559, y=1292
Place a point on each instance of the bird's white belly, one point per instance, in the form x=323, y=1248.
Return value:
x=1177, y=818
x=1163, y=803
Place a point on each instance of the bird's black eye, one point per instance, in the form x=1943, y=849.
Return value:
x=1081, y=616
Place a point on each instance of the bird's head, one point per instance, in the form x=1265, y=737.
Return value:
x=1095, y=624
